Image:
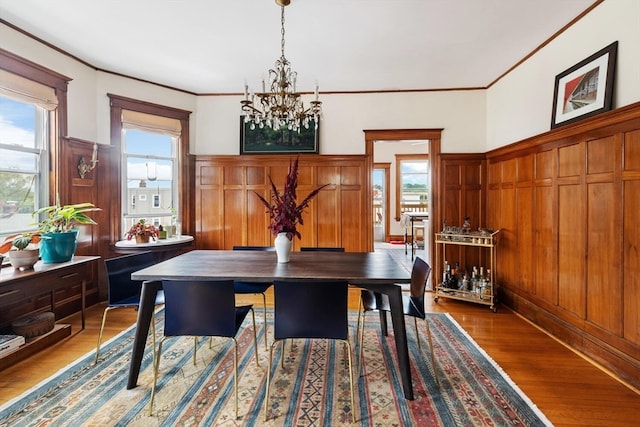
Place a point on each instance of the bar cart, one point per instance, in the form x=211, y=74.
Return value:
x=479, y=288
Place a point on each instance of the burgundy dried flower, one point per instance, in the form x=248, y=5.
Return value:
x=285, y=213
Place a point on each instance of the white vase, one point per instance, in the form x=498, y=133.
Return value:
x=283, y=247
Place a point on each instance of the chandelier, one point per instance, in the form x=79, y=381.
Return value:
x=282, y=106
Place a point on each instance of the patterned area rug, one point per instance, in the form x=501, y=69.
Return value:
x=311, y=390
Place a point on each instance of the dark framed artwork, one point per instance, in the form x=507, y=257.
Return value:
x=586, y=89
x=268, y=141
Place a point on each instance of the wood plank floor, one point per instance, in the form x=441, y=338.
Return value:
x=567, y=388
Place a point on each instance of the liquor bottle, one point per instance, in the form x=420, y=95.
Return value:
x=474, y=279
x=454, y=279
x=487, y=290
x=445, y=273
x=480, y=282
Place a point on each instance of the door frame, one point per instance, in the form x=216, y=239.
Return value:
x=435, y=138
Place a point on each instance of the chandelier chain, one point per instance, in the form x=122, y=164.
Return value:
x=282, y=29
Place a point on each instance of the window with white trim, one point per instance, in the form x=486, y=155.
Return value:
x=150, y=167
x=412, y=183
x=27, y=114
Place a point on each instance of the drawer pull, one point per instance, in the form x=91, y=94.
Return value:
x=66, y=276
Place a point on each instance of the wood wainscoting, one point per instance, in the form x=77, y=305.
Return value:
x=568, y=203
x=228, y=212
x=463, y=190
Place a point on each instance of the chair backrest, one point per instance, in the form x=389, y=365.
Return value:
x=310, y=309
x=321, y=249
x=199, y=308
x=419, y=274
x=121, y=288
x=254, y=248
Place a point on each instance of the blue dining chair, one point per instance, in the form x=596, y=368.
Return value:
x=202, y=308
x=412, y=304
x=255, y=288
x=311, y=309
x=123, y=292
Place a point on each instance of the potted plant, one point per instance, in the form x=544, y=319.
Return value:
x=57, y=229
x=142, y=232
x=22, y=249
x=285, y=212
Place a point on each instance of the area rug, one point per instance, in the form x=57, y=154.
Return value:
x=312, y=388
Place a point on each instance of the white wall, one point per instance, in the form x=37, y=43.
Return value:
x=519, y=105
x=345, y=117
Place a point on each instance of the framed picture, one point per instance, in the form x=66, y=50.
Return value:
x=268, y=141
x=586, y=88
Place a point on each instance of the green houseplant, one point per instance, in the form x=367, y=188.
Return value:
x=57, y=228
x=141, y=232
x=21, y=249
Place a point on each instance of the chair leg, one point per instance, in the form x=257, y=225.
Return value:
x=156, y=363
x=361, y=350
x=433, y=357
x=264, y=314
x=195, y=349
x=104, y=320
x=266, y=397
x=353, y=405
x=284, y=350
x=415, y=325
x=235, y=376
x=358, y=324
x=255, y=336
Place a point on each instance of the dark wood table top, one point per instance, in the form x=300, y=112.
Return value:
x=356, y=267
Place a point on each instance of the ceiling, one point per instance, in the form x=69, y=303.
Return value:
x=213, y=47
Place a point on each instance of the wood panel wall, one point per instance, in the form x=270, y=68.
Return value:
x=229, y=213
x=463, y=189
x=93, y=188
x=569, y=255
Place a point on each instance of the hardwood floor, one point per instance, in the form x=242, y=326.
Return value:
x=568, y=389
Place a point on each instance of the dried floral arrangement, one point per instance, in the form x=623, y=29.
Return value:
x=283, y=208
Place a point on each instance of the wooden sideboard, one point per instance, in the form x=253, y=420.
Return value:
x=46, y=287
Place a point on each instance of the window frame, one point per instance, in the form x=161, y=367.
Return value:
x=423, y=207
x=57, y=121
x=185, y=162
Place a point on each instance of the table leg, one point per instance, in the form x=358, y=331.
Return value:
x=145, y=314
x=400, y=334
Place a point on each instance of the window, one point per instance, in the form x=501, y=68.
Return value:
x=29, y=118
x=150, y=165
x=412, y=183
x=153, y=142
x=23, y=157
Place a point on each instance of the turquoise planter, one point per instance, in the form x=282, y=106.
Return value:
x=58, y=247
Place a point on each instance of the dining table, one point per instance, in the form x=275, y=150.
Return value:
x=376, y=271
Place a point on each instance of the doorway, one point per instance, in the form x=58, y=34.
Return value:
x=432, y=137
